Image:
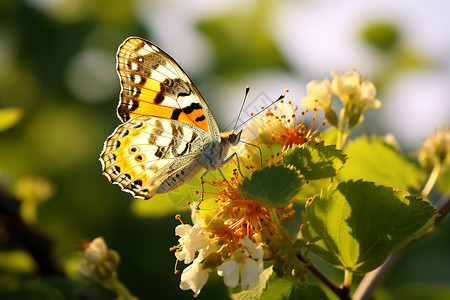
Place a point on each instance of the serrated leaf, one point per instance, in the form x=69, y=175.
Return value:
x=315, y=161
x=277, y=288
x=284, y=289
x=9, y=117
x=274, y=288
x=329, y=136
x=306, y=291
x=372, y=159
x=256, y=292
x=360, y=224
x=271, y=186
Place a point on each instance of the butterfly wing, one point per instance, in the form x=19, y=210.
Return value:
x=153, y=84
x=152, y=155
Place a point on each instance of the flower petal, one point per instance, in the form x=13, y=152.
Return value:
x=230, y=272
x=194, y=278
x=250, y=273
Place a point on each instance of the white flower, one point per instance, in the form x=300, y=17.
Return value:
x=194, y=277
x=243, y=265
x=96, y=251
x=97, y=261
x=320, y=91
x=191, y=240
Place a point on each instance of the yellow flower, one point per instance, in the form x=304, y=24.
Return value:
x=347, y=86
x=320, y=91
x=351, y=90
x=368, y=92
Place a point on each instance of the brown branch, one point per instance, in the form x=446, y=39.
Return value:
x=342, y=293
x=31, y=238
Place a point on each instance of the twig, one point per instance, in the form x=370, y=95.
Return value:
x=342, y=293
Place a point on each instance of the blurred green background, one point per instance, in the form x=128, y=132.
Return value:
x=57, y=67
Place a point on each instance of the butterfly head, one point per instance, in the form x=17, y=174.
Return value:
x=231, y=137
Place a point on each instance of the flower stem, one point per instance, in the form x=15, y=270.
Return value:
x=343, y=133
x=348, y=276
x=122, y=292
x=431, y=180
x=280, y=228
x=340, y=135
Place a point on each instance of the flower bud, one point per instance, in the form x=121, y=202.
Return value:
x=436, y=150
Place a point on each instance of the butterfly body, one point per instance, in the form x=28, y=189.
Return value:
x=168, y=133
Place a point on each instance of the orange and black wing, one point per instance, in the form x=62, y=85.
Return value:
x=153, y=84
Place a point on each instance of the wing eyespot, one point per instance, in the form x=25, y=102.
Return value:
x=133, y=150
x=139, y=158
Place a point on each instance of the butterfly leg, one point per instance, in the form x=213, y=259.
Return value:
x=203, y=185
x=203, y=189
x=238, y=164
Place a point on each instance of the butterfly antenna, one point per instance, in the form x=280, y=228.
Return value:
x=279, y=98
x=247, y=90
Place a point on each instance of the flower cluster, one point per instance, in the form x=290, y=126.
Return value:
x=230, y=242
x=233, y=240
x=100, y=263
x=97, y=261
x=281, y=126
x=355, y=94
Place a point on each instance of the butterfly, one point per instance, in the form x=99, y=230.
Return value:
x=168, y=134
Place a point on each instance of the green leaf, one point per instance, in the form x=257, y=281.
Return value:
x=382, y=35
x=9, y=117
x=256, y=292
x=285, y=289
x=360, y=224
x=271, y=186
x=277, y=288
x=306, y=291
x=372, y=159
x=329, y=136
x=282, y=288
x=315, y=161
